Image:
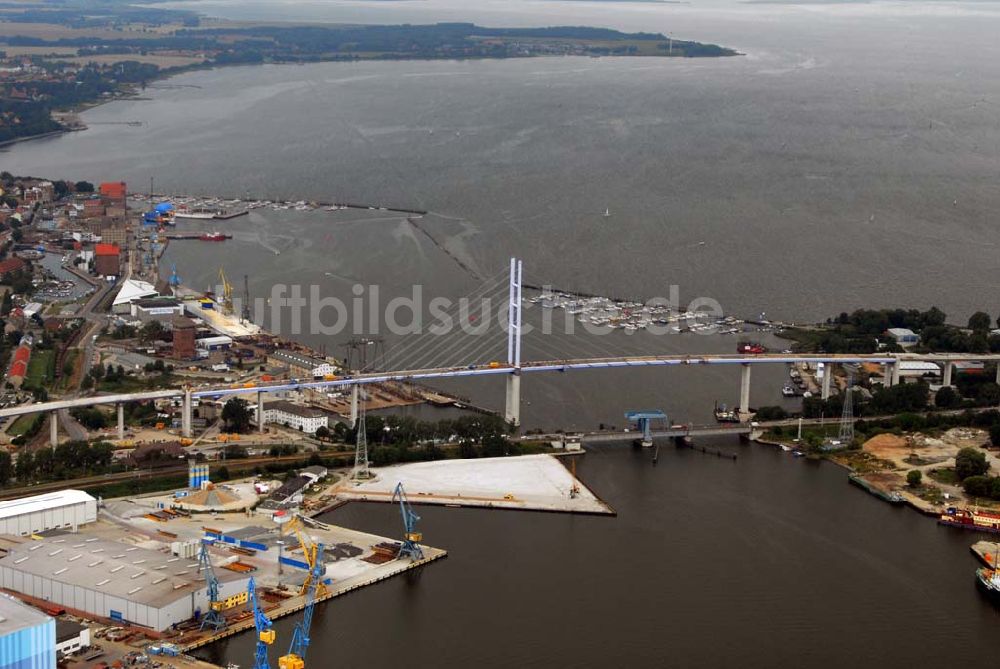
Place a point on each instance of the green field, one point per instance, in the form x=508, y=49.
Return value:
x=41, y=368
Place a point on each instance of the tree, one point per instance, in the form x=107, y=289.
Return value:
x=995, y=434
x=222, y=473
x=25, y=467
x=947, y=398
x=977, y=486
x=322, y=432
x=236, y=414
x=970, y=462
x=979, y=321
x=83, y=187
x=151, y=331
x=6, y=468
x=913, y=478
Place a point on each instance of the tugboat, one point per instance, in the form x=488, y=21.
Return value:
x=751, y=347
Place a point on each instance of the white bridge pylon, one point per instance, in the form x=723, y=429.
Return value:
x=512, y=411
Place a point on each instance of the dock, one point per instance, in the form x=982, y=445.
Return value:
x=336, y=589
x=988, y=552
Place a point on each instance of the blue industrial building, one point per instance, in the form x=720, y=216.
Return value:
x=27, y=636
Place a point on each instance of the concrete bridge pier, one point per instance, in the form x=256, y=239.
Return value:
x=186, y=414
x=745, y=389
x=827, y=380
x=54, y=429
x=949, y=368
x=260, y=412
x=890, y=375
x=513, y=405
x=121, y=420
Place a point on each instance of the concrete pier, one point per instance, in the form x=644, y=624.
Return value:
x=745, y=389
x=513, y=405
x=946, y=373
x=260, y=411
x=895, y=373
x=827, y=380
x=121, y=420
x=54, y=429
x=186, y=414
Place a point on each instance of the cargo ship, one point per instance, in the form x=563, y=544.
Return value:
x=751, y=347
x=982, y=521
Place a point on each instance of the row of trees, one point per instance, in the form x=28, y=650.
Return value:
x=65, y=461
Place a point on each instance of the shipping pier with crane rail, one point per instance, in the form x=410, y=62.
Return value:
x=319, y=585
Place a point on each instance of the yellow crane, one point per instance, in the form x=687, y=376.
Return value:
x=227, y=291
x=310, y=551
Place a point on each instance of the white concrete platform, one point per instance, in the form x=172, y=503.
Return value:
x=529, y=482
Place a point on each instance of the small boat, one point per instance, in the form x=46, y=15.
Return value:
x=788, y=390
x=988, y=581
x=214, y=237
x=607, y=212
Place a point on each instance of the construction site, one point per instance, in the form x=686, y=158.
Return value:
x=151, y=580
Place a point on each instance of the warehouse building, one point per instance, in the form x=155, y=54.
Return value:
x=27, y=636
x=66, y=509
x=112, y=580
x=302, y=365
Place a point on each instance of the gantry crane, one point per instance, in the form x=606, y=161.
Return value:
x=265, y=635
x=214, y=615
x=411, y=537
x=296, y=656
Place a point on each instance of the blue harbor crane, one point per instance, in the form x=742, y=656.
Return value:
x=411, y=537
x=214, y=615
x=265, y=635
x=175, y=279
x=296, y=657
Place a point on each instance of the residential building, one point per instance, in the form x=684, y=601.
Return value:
x=296, y=416
x=903, y=336
x=107, y=259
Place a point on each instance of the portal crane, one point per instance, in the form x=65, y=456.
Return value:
x=296, y=657
x=214, y=615
x=265, y=635
x=313, y=554
x=227, y=291
x=411, y=537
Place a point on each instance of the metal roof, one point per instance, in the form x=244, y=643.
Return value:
x=51, y=500
x=136, y=574
x=15, y=615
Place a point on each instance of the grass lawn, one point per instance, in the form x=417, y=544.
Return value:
x=41, y=367
x=21, y=425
